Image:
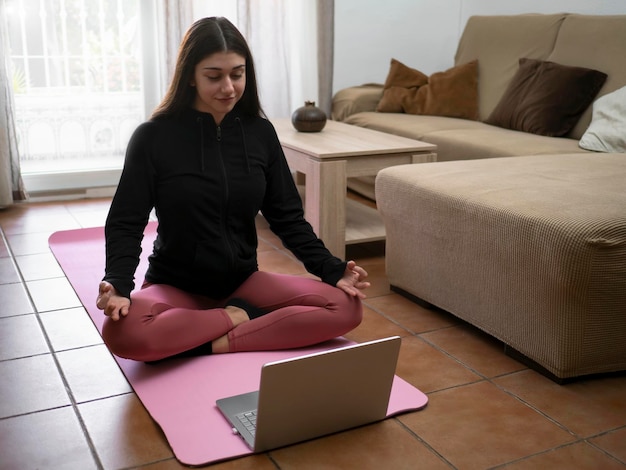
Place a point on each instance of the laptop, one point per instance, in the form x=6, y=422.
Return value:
x=309, y=396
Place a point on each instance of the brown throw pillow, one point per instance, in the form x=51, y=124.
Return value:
x=453, y=93
x=402, y=83
x=546, y=98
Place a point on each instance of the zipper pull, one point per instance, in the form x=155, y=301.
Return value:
x=219, y=133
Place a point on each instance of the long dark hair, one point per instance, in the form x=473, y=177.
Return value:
x=204, y=38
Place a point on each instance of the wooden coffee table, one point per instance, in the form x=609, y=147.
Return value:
x=327, y=159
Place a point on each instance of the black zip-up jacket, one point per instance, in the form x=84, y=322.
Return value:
x=207, y=183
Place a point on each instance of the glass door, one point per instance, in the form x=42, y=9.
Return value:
x=78, y=85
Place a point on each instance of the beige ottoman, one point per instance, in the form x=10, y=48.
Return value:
x=532, y=250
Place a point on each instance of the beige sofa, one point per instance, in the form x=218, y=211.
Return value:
x=521, y=235
x=498, y=42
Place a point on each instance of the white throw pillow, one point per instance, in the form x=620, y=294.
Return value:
x=607, y=131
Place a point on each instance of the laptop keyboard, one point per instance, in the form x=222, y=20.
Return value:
x=248, y=419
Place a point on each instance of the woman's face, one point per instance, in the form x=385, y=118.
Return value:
x=220, y=80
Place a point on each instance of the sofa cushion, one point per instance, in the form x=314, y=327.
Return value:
x=595, y=42
x=462, y=139
x=356, y=99
x=528, y=35
x=546, y=98
x=410, y=125
x=452, y=93
x=607, y=131
x=492, y=142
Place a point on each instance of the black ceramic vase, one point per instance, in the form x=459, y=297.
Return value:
x=308, y=118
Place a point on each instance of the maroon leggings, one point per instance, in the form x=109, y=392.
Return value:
x=165, y=321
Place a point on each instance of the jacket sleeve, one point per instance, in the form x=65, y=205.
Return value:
x=282, y=208
x=129, y=213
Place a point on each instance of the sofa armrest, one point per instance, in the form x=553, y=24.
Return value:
x=356, y=99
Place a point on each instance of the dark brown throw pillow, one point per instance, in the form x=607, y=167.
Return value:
x=546, y=98
x=453, y=93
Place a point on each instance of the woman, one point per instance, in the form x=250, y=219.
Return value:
x=208, y=162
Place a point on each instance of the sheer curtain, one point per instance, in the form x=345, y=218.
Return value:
x=11, y=186
x=174, y=17
x=292, y=43
x=266, y=32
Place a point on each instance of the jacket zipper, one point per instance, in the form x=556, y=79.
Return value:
x=226, y=194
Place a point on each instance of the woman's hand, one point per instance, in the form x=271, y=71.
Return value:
x=113, y=304
x=353, y=280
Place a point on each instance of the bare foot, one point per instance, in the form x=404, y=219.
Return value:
x=236, y=314
x=220, y=345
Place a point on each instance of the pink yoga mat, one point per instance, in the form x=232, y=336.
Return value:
x=180, y=394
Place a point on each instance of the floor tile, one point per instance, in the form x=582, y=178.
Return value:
x=264, y=246
x=410, y=315
x=71, y=328
x=477, y=350
x=15, y=300
x=378, y=446
x=95, y=218
x=169, y=464
x=279, y=262
x=375, y=326
x=92, y=373
x=41, y=222
x=265, y=234
x=52, y=294
x=8, y=271
x=378, y=280
x=29, y=243
x=123, y=432
x=367, y=253
x=252, y=462
x=39, y=266
x=614, y=443
x=478, y=426
x=4, y=250
x=579, y=456
x=50, y=439
x=429, y=369
x=30, y=384
x=21, y=336
x=79, y=206
x=587, y=407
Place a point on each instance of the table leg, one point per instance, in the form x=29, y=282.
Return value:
x=325, y=203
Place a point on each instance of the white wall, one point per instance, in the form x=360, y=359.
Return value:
x=423, y=34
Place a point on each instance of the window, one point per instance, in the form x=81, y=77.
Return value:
x=77, y=80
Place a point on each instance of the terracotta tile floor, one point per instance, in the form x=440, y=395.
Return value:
x=65, y=405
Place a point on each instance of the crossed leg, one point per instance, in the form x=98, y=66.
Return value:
x=302, y=312
x=164, y=321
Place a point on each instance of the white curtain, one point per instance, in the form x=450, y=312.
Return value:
x=265, y=30
x=282, y=37
x=174, y=17
x=11, y=185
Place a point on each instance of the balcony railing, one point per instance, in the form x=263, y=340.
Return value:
x=77, y=79
x=75, y=132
